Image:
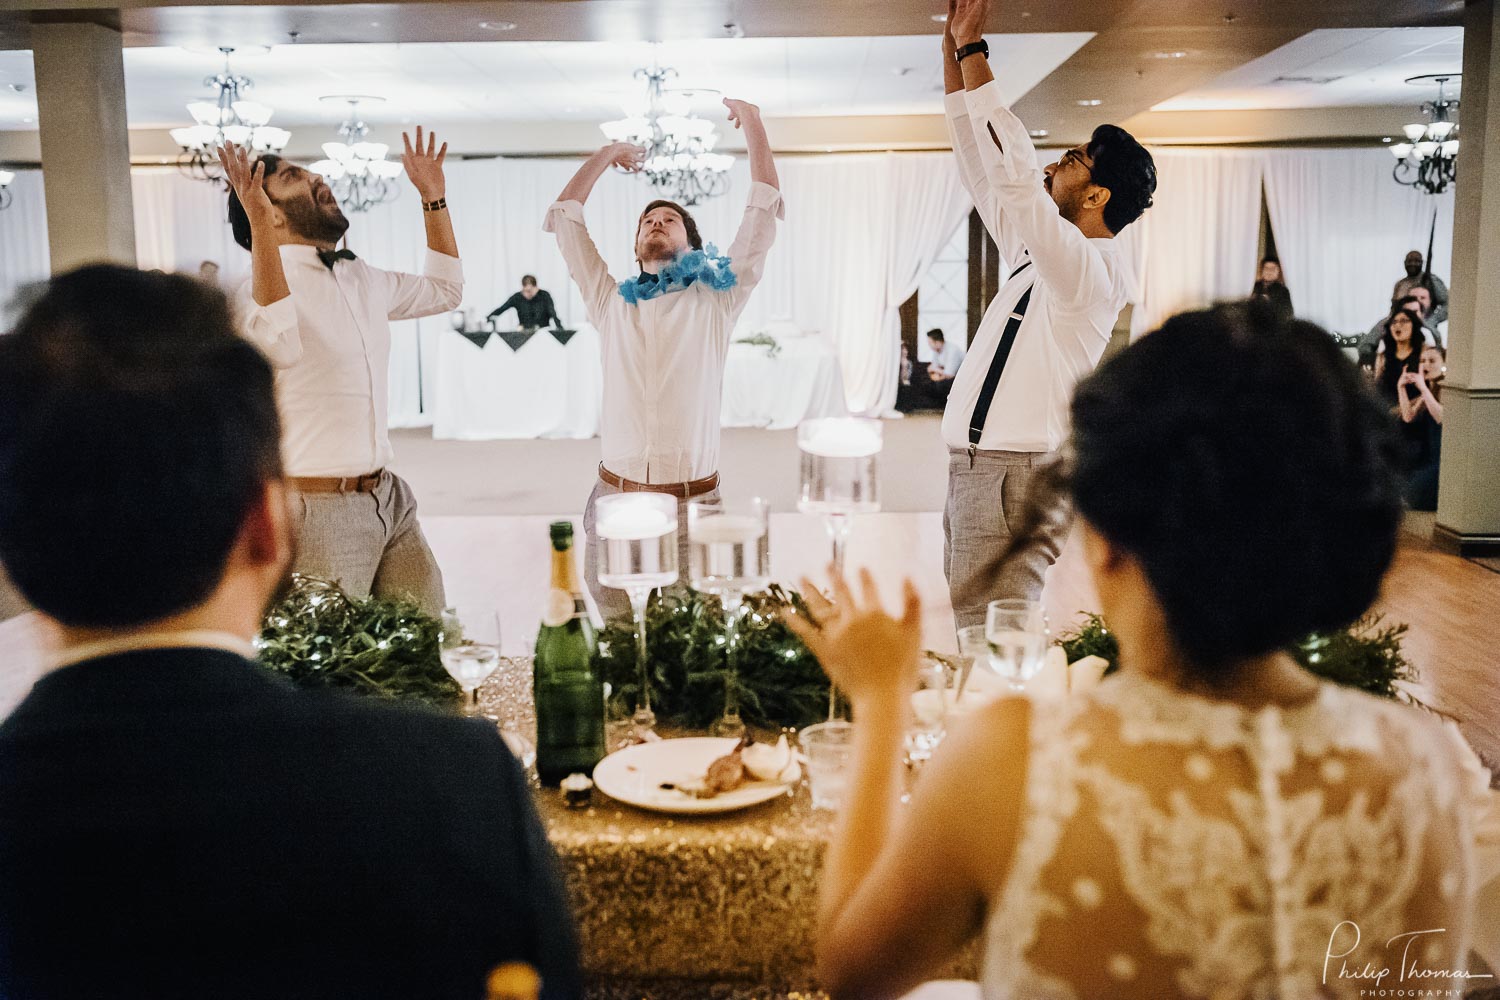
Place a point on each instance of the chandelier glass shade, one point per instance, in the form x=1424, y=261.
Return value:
x=680, y=161
x=229, y=118
x=1428, y=159
x=357, y=170
x=6, y=177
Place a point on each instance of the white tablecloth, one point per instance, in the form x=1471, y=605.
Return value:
x=548, y=390
x=802, y=381
x=543, y=390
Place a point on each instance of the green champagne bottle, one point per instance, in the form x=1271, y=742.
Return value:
x=569, y=693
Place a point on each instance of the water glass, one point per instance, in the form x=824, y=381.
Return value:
x=829, y=747
x=469, y=647
x=931, y=702
x=729, y=550
x=1016, y=631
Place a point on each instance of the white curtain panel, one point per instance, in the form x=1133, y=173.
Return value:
x=1198, y=243
x=1343, y=227
x=24, y=257
x=181, y=222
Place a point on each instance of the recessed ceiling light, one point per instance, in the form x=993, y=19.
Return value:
x=940, y=18
x=374, y=24
x=498, y=25
x=1386, y=139
x=1169, y=54
x=1089, y=102
x=1038, y=133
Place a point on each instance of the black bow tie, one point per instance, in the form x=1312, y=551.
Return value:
x=329, y=256
x=647, y=278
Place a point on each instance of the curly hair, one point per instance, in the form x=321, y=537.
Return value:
x=1125, y=168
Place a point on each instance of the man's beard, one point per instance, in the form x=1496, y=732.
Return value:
x=1069, y=206
x=315, y=222
x=657, y=247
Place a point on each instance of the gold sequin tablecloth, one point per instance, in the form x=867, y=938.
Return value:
x=683, y=907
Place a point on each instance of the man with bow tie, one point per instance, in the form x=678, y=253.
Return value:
x=322, y=316
x=664, y=333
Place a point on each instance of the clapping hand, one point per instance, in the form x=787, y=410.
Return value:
x=866, y=652
x=625, y=156
x=424, y=166
x=249, y=183
x=966, y=20
x=740, y=111
x=1410, y=378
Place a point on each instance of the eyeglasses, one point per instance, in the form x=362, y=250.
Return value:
x=1074, y=156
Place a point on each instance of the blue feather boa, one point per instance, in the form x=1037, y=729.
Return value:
x=695, y=266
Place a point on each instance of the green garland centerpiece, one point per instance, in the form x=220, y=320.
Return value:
x=319, y=637
x=1366, y=655
x=778, y=681
x=762, y=339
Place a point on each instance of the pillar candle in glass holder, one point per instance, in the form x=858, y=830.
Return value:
x=637, y=540
x=839, y=465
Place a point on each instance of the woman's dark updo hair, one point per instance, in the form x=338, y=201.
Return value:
x=1241, y=459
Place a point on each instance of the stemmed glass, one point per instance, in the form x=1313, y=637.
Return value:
x=637, y=535
x=931, y=701
x=1017, y=634
x=729, y=554
x=839, y=480
x=470, y=651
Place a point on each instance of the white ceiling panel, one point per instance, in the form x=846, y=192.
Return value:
x=1333, y=68
x=555, y=81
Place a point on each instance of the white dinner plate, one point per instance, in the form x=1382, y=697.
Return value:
x=635, y=774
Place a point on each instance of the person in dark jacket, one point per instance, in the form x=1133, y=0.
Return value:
x=533, y=306
x=176, y=821
x=1272, y=287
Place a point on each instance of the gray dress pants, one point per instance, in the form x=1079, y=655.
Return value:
x=985, y=498
x=370, y=543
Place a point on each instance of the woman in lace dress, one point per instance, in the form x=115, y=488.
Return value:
x=1212, y=821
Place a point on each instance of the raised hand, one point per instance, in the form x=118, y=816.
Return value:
x=950, y=47
x=866, y=652
x=424, y=165
x=249, y=183
x=966, y=20
x=741, y=111
x=624, y=155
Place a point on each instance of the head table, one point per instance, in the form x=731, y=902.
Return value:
x=689, y=907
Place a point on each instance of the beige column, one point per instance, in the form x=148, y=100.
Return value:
x=80, y=94
x=1468, y=516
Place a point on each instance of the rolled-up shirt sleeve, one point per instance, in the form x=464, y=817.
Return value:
x=271, y=328
x=971, y=173
x=585, y=265
x=439, y=288
x=1073, y=268
x=747, y=254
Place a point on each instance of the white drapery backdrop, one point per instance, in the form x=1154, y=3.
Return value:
x=1343, y=226
x=861, y=229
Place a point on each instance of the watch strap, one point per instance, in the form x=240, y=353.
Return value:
x=981, y=47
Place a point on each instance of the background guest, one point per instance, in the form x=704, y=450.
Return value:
x=209, y=271
x=1270, y=286
x=1419, y=395
x=1400, y=351
x=1172, y=832
x=533, y=306
x=175, y=821
x=946, y=358
x=1417, y=278
x=1369, y=344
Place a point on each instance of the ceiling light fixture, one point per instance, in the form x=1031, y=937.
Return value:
x=1038, y=133
x=1428, y=159
x=1169, y=54
x=940, y=18
x=6, y=177
x=1089, y=102
x=679, y=160
x=357, y=171
x=498, y=25
x=228, y=118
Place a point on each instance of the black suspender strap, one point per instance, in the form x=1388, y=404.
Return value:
x=997, y=366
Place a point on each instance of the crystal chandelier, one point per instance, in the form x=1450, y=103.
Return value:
x=680, y=161
x=6, y=177
x=358, y=172
x=1428, y=160
x=226, y=119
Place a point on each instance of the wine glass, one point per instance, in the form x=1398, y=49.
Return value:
x=637, y=535
x=931, y=701
x=839, y=479
x=470, y=650
x=1017, y=634
x=729, y=554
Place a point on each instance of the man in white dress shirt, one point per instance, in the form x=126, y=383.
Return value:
x=322, y=317
x=665, y=337
x=1048, y=324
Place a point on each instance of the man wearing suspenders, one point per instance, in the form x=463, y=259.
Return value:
x=1049, y=322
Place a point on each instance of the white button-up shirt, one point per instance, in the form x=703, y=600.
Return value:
x=1078, y=286
x=664, y=357
x=949, y=358
x=330, y=341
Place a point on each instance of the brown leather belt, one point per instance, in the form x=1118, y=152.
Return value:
x=686, y=491
x=336, y=484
